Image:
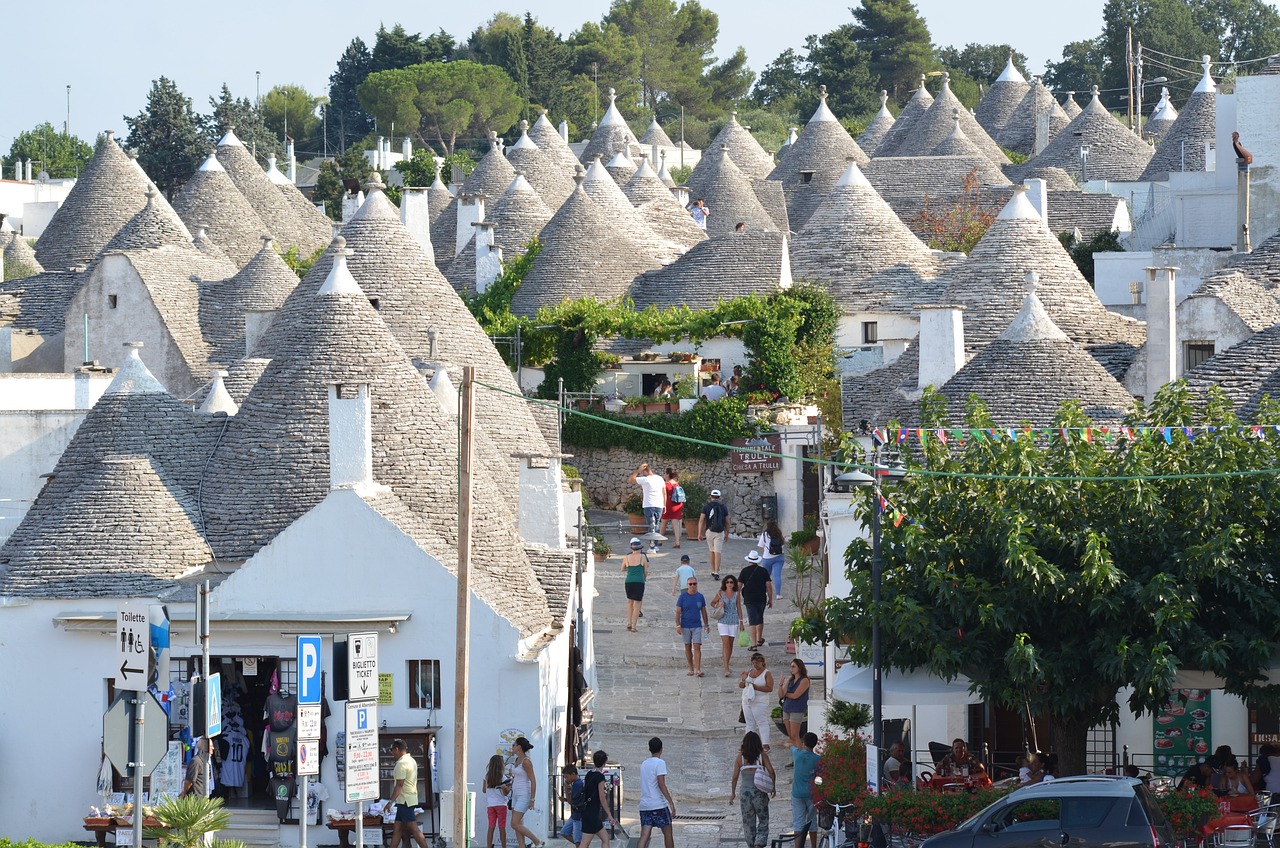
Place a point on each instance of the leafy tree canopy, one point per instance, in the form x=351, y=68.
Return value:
x=1056, y=595
x=897, y=41
x=396, y=48
x=241, y=113
x=289, y=110
x=982, y=62
x=167, y=136
x=60, y=156
x=536, y=58
x=1083, y=65
x=347, y=118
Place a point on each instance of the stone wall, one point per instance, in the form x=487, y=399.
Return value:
x=605, y=473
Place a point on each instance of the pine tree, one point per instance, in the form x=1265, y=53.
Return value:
x=350, y=122
x=167, y=137
x=240, y=114
x=897, y=41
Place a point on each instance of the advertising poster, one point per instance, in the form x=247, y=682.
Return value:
x=1183, y=732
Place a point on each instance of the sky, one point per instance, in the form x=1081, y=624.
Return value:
x=110, y=53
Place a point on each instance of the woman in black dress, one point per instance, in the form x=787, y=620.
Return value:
x=597, y=803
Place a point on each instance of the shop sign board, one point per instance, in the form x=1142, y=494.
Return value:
x=132, y=664
x=743, y=458
x=362, y=751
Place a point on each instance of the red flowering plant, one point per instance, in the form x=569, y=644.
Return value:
x=924, y=813
x=842, y=769
x=1186, y=811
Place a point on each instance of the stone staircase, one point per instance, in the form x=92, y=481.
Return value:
x=258, y=828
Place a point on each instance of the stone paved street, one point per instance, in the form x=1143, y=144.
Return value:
x=644, y=692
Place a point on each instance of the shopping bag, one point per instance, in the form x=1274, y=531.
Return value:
x=744, y=639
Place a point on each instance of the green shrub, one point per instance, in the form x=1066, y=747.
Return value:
x=720, y=422
x=848, y=716
x=633, y=504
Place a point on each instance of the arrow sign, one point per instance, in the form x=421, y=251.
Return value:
x=125, y=671
x=133, y=647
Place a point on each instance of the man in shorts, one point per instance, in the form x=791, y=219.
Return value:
x=757, y=594
x=657, y=807
x=572, y=792
x=803, y=818
x=713, y=525
x=405, y=796
x=691, y=623
x=653, y=498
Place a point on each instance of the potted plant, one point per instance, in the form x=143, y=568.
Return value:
x=807, y=536
x=633, y=506
x=615, y=404
x=846, y=716
x=599, y=546
x=807, y=584
x=185, y=822
x=635, y=405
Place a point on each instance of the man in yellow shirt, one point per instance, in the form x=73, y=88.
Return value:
x=405, y=796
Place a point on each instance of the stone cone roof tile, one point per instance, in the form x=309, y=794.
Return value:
x=438, y=197
x=1182, y=144
x=611, y=135
x=1019, y=133
x=878, y=129
x=990, y=285
x=956, y=144
x=722, y=267
x=1055, y=179
x=937, y=123
x=620, y=168
x=444, y=232
x=1001, y=101
x=905, y=123
x=416, y=301
x=19, y=259
x=655, y=134
x=1030, y=370
x=43, y=299
x=1070, y=107
x=815, y=162
x=110, y=191
x=543, y=134
x=265, y=197
x=518, y=217
x=211, y=200
x=1247, y=372
x=548, y=175
x=263, y=284
x=606, y=194
x=1256, y=307
x=584, y=254
x=752, y=159
x=491, y=177
x=729, y=193
x=1263, y=264
x=1115, y=153
x=927, y=180
x=660, y=209
x=861, y=251
x=155, y=225
x=205, y=245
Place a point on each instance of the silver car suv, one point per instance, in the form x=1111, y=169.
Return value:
x=1072, y=812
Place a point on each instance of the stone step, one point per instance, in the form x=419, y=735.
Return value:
x=253, y=827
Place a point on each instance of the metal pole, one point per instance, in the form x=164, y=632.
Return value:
x=68, y=124
x=139, y=707
x=877, y=669
x=1138, y=117
x=359, y=824
x=462, y=683
x=302, y=812
x=682, y=137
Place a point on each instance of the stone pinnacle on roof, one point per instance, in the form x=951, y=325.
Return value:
x=1001, y=100
x=905, y=123
x=663, y=174
x=1032, y=322
x=543, y=134
x=934, y=125
x=218, y=399
x=611, y=135
x=1206, y=83
x=492, y=175
x=621, y=168
x=655, y=134
x=1182, y=143
x=1070, y=106
x=134, y=377
x=879, y=127
x=274, y=174
x=815, y=162
x=744, y=150
x=210, y=199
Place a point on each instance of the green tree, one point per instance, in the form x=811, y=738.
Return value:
x=729, y=81
x=60, y=156
x=350, y=164
x=982, y=62
x=603, y=52
x=896, y=40
x=1053, y=594
x=167, y=137
x=246, y=118
x=837, y=61
x=396, y=48
x=1246, y=29
x=675, y=44
x=440, y=101
x=1084, y=65
x=347, y=118
x=289, y=110
x=1168, y=26
x=418, y=170
x=783, y=84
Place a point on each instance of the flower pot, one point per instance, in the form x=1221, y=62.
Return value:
x=690, y=527
x=811, y=546
x=638, y=524
x=634, y=409
x=614, y=406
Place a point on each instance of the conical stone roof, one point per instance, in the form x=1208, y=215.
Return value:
x=444, y=233
x=1115, y=153
x=518, y=217
x=1163, y=117
x=317, y=225
x=155, y=225
x=937, y=122
x=19, y=259
x=1070, y=107
x=905, y=123
x=660, y=209
x=612, y=134
x=210, y=200
x=549, y=177
x=989, y=284
x=263, y=284
x=956, y=144
x=663, y=174
x=491, y=177
x=205, y=245
x=1001, y=100
x=729, y=194
x=620, y=168
x=861, y=251
x=878, y=129
x=543, y=134
x=752, y=159
x=606, y=194
x=1182, y=146
x=1030, y=370
x=815, y=162
x=720, y=268
x=584, y=254
x=438, y=197
x=109, y=192
x=655, y=134
x=247, y=175
x=1019, y=133
x=1055, y=179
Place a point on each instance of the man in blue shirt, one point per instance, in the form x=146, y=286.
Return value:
x=803, y=819
x=691, y=621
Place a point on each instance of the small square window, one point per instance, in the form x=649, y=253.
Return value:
x=111, y=301
x=373, y=301
x=424, y=684
x=1195, y=353
x=806, y=177
x=870, y=332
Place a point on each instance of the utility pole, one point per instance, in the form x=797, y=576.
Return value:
x=66, y=128
x=462, y=666
x=1128, y=61
x=1138, y=70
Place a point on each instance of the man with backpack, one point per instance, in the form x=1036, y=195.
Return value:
x=713, y=525
x=573, y=791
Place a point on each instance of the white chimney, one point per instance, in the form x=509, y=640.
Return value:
x=29, y=177
x=1038, y=194
x=1162, y=330
x=941, y=344
x=444, y=390
x=377, y=153
x=470, y=211
x=563, y=129
x=406, y=148
x=350, y=437
x=488, y=256
x=256, y=322
x=414, y=215
x=681, y=194
x=784, y=274
x=218, y=399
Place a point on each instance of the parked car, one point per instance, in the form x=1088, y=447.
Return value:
x=1072, y=812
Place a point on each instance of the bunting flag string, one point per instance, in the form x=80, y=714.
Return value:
x=961, y=435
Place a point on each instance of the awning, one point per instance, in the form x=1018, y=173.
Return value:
x=901, y=688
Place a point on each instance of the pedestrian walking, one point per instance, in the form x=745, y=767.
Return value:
x=673, y=515
x=756, y=684
x=793, y=692
x=691, y=623
x=770, y=543
x=635, y=567
x=524, y=788
x=726, y=609
x=713, y=525
x=405, y=795
x=495, y=788
x=572, y=792
x=757, y=595
x=653, y=498
x=595, y=809
x=753, y=768
x=803, y=817
x=684, y=573
x=657, y=807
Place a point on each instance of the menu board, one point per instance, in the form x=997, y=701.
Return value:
x=1182, y=732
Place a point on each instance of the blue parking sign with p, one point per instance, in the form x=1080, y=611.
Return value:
x=309, y=680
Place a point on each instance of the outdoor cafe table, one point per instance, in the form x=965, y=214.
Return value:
x=1239, y=806
x=947, y=782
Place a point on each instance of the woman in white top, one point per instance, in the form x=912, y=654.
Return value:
x=524, y=785
x=757, y=685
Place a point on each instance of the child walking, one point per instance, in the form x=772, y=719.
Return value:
x=496, y=787
x=573, y=793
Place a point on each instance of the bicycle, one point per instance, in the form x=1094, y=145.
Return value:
x=831, y=827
